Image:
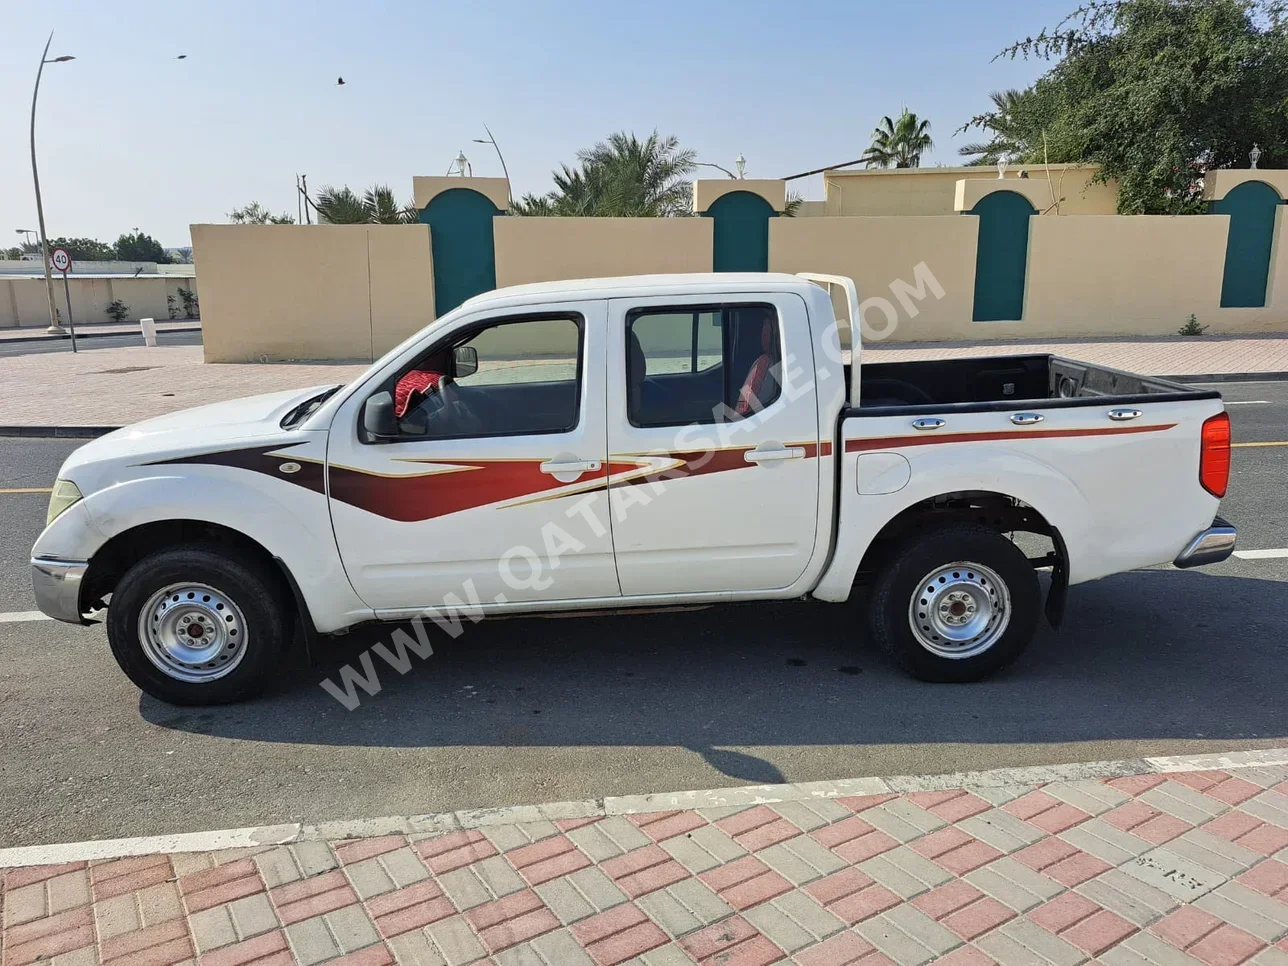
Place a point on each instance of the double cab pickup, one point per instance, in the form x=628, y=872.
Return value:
x=627, y=443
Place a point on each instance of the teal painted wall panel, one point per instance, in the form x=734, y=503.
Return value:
x=1001, y=261
x=741, y=232
x=1251, y=207
x=463, y=247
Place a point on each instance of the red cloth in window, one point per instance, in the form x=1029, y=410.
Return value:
x=749, y=395
x=413, y=387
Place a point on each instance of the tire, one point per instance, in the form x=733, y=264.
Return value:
x=215, y=636
x=975, y=614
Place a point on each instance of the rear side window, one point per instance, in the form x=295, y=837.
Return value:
x=701, y=364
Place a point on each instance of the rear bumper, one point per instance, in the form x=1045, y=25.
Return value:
x=1213, y=545
x=57, y=585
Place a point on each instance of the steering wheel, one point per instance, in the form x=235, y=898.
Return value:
x=443, y=411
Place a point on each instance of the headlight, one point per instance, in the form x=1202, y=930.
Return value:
x=64, y=496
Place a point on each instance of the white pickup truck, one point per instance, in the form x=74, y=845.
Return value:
x=631, y=442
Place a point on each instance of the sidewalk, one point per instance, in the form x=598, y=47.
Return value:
x=37, y=334
x=1157, y=865
x=113, y=387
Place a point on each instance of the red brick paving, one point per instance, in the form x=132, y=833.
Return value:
x=625, y=932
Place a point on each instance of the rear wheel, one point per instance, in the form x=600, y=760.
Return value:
x=956, y=604
x=198, y=625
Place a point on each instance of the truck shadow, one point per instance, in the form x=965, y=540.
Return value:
x=1157, y=654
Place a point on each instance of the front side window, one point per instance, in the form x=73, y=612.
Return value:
x=702, y=364
x=509, y=379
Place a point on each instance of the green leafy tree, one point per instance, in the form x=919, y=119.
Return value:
x=377, y=206
x=140, y=247
x=899, y=143
x=622, y=177
x=84, y=249
x=256, y=214
x=1156, y=92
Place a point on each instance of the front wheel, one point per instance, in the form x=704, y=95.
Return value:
x=956, y=604
x=197, y=625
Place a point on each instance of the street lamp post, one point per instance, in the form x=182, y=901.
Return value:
x=54, y=327
x=491, y=139
x=28, y=232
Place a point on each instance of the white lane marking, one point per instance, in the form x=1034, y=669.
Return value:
x=743, y=795
x=1247, y=402
x=1261, y=554
x=18, y=616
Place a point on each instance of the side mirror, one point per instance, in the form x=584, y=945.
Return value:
x=378, y=417
x=465, y=361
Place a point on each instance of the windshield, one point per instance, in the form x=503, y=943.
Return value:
x=307, y=408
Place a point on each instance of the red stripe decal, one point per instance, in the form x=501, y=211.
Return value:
x=895, y=442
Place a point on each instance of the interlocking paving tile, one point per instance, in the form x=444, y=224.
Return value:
x=684, y=907
x=297, y=901
x=385, y=872
x=811, y=813
x=557, y=948
x=1003, y=831
x=288, y=863
x=236, y=922
x=660, y=826
x=843, y=949
x=907, y=935
x=1183, y=802
x=1105, y=842
x=507, y=837
x=801, y=860
x=1093, y=797
x=473, y=885
x=618, y=935
x=547, y=859
x=454, y=850
x=902, y=820
x=333, y=934
x=1270, y=878
x=904, y=872
x=1214, y=853
x=1265, y=918
x=358, y=850
x=448, y=941
x=746, y=882
x=116, y=877
x=608, y=838
x=1137, y=902
x=1145, y=949
x=1022, y=942
x=507, y=922
x=580, y=895
x=794, y=921
x=733, y=941
x=1173, y=874
x=1014, y=884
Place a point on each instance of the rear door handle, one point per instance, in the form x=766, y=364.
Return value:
x=1027, y=419
x=1122, y=415
x=767, y=455
x=928, y=423
x=569, y=466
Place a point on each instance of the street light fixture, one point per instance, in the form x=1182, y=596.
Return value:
x=460, y=165
x=26, y=231
x=54, y=327
x=491, y=139
x=740, y=163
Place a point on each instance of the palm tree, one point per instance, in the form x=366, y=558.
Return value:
x=1002, y=124
x=899, y=143
x=377, y=206
x=620, y=177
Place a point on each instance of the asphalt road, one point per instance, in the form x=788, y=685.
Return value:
x=14, y=347
x=1152, y=662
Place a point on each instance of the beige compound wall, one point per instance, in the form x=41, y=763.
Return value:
x=879, y=252
x=548, y=249
x=930, y=191
x=311, y=291
x=24, y=302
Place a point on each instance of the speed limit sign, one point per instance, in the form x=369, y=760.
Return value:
x=61, y=260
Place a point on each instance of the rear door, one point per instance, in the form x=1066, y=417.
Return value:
x=714, y=451
x=499, y=476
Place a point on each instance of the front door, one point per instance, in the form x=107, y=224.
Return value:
x=725, y=489
x=498, y=476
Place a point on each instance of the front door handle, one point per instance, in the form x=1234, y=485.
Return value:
x=768, y=455
x=1027, y=419
x=569, y=466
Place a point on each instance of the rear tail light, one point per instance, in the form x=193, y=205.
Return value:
x=1214, y=455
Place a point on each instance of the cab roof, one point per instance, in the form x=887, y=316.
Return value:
x=630, y=286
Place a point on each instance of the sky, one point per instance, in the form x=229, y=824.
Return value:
x=128, y=136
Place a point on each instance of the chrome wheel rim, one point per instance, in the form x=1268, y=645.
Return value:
x=192, y=632
x=959, y=610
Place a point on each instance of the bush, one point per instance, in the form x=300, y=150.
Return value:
x=170, y=307
x=1192, y=327
x=118, y=310
x=191, y=308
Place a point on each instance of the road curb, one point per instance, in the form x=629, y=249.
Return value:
x=45, y=337
x=737, y=797
x=57, y=432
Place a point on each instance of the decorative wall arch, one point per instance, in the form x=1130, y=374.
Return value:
x=461, y=243
x=741, y=229
x=1002, y=254
x=1252, y=207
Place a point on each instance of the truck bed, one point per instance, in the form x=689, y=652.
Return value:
x=1006, y=382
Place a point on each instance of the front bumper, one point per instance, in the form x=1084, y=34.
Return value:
x=1213, y=545
x=57, y=585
